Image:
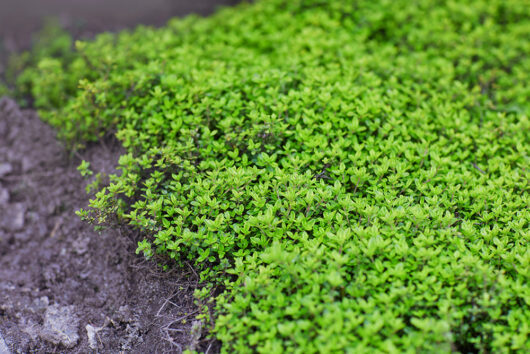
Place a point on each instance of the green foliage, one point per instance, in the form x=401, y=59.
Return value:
x=84, y=169
x=51, y=50
x=353, y=175
x=4, y=90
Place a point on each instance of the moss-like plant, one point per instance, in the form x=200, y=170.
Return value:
x=51, y=52
x=346, y=175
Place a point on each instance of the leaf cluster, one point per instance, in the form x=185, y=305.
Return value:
x=352, y=174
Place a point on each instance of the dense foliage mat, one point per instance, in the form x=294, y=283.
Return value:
x=345, y=175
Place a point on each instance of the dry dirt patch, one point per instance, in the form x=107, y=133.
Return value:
x=63, y=286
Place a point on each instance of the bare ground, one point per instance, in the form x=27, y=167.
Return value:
x=19, y=19
x=64, y=287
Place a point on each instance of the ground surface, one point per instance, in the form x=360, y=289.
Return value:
x=63, y=286
x=20, y=19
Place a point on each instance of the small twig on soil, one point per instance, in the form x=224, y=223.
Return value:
x=172, y=342
x=56, y=227
x=165, y=303
x=172, y=303
x=174, y=330
x=182, y=318
x=193, y=270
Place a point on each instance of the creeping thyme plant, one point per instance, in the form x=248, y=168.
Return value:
x=346, y=175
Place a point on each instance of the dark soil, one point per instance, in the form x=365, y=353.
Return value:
x=19, y=19
x=60, y=281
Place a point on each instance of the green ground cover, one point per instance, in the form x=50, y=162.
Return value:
x=345, y=175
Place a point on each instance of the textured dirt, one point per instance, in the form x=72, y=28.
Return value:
x=64, y=287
